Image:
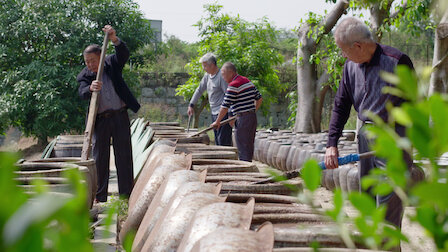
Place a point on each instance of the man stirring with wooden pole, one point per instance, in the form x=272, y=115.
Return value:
x=112, y=120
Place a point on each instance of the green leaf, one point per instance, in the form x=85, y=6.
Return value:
x=390, y=77
x=439, y=111
x=311, y=174
x=383, y=189
x=427, y=216
x=338, y=202
x=363, y=202
x=401, y=116
x=35, y=211
x=394, y=236
x=430, y=194
x=369, y=181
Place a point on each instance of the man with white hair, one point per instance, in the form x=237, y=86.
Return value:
x=216, y=88
x=112, y=120
x=361, y=86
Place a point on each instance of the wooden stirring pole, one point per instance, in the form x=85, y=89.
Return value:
x=93, y=107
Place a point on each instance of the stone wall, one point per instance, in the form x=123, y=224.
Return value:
x=159, y=90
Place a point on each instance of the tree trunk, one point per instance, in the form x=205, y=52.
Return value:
x=323, y=92
x=306, y=83
x=307, y=119
x=377, y=17
x=380, y=16
x=438, y=82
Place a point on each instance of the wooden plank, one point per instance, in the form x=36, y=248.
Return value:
x=93, y=107
x=210, y=128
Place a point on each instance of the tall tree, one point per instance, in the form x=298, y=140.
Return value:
x=308, y=83
x=41, y=54
x=246, y=44
x=310, y=88
x=439, y=77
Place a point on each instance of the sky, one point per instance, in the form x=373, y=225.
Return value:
x=179, y=16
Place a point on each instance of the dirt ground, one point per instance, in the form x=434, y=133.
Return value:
x=418, y=241
x=26, y=146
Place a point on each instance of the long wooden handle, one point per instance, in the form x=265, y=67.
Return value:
x=188, y=126
x=210, y=128
x=93, y=107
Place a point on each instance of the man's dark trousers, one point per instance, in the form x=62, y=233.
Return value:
x=115, y=126
x=223, y=136
x=245, y=129
x=394, y=213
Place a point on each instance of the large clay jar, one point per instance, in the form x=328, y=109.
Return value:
x=67, y=150
x=290, y=157
x=273, y=149
x=53, y=174
x=264, y=152
x=322, y=179
x=90, y=164
x=343, y=177
x=329, y=182
x=282, y=155
x=257, y=146
x=295, y=159
x=306, y=154
x=353, y=179
x=336, y=177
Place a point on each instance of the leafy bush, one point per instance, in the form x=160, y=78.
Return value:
x=247, y=45
x=426, y=123
x=41, y=54
x=45, y=222
x=170, y=56
x=158, y=113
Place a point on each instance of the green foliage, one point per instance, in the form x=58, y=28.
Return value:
x=158, y=113
x=425, y=120
x=44, y=222
x=311, y=174
x=287, y=71
x=413, y=19
x=41, y=54
x=426, y=123
x=328, y=56
x=41, y=99
x=327, y=59
x=170, y=56
x=247, y=45
x=292, y=106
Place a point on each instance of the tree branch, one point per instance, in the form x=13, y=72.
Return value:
x=440, y=62
x=401, y=9
x=333, y=16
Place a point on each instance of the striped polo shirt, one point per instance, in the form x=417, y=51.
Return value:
x=241, y=95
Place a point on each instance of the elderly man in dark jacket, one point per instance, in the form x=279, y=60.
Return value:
x=361, y=87
x=112, y=120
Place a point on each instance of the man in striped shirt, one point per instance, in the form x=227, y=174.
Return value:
x=243, y=98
